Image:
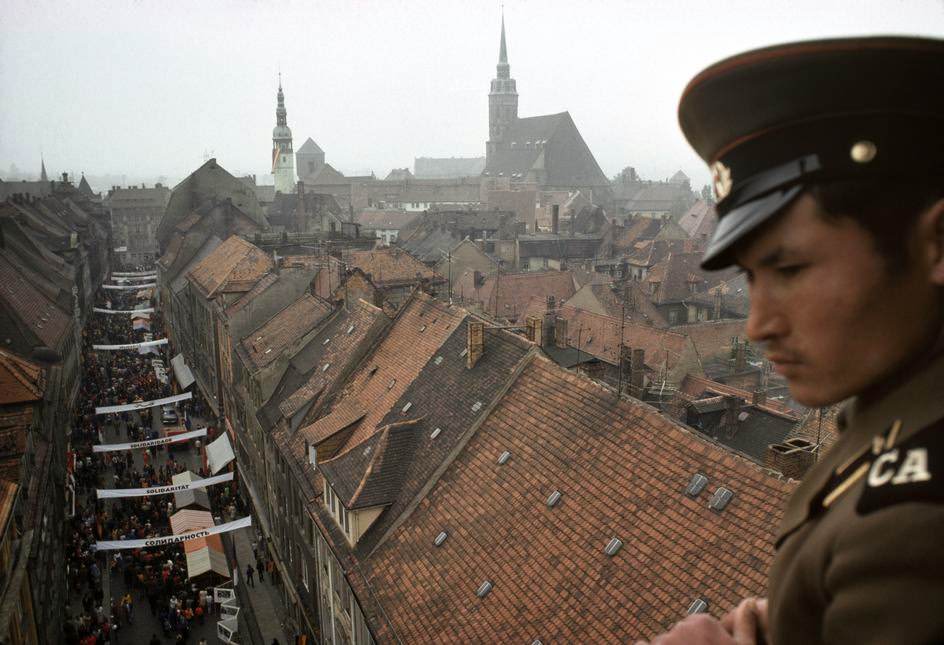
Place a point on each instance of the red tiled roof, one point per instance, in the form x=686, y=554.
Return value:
x=20, y=380
x=267, y=343
x=514, y=291
x=34, y=310
x=820, y=426
x=695, y=387
x=391, y=267
x=622, y=469
x=235, y=265
x=418, y=332
x=347, y=412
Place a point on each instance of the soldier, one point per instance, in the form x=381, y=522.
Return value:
x=828, y=165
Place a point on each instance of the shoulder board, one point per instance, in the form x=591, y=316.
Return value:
x=912, y=471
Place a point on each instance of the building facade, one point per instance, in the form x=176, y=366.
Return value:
x=135, y=214
x=283, y=159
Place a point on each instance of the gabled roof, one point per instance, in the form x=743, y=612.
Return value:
x=85, y=188
x=309, y=147
x=700, y=220
x=21, y=381
x=680, y=278
x=36, y=315
x=617, y=299
x=348, y=412
x=622, y=469
x=507, y=295
x=658, y=197
x=391, y=267
x=548, y=245
x=265, y=344
x=235, y=265
x=372, y=219
x=371, y=473
x=326, y=175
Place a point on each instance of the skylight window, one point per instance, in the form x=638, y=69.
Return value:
x=440, y=538
x=406, y=408
x=463, y=352
x=325, y=367
x=392, y=382
x=484, y=589
x=503, y=458
x=350, y=329
x=422, y=328
x=554, y=499
x=720, y=499
x=476, y=406
x=268, y=350
x=326, y=340
x=697, y=485
x=438, y=360
x=435, y=433
x=698, y=606
x=613, y=547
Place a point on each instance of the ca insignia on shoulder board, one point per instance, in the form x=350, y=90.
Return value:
x=721, y=179
x=912, y=471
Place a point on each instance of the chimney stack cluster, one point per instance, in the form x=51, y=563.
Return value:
x=555, y=219
x=793, y=457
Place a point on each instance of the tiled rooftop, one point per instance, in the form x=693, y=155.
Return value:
x=34, y=310
x=514, y=291
x=391, y=267
x=265, y=344
x=20, y=380
x=235, y=265
x=622, y=470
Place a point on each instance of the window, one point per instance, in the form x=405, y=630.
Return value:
x=305, y=572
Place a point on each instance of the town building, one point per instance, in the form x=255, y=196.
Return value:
x=384, y=224
x=135, y=214
x=447, y=167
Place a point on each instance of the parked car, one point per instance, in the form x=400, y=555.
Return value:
x=169, y=415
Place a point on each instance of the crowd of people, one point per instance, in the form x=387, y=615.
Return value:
x=155, y=577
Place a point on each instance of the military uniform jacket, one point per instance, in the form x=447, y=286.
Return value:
x=860, y=553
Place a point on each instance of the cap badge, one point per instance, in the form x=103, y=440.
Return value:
x=863, y=151
x=721, y=178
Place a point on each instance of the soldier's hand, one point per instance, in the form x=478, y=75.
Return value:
x=751, y=613
x=702, y=629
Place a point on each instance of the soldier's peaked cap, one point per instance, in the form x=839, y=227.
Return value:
x=771, y=121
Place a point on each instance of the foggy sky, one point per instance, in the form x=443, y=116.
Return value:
x=149, y=88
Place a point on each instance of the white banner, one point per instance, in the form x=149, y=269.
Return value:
x=134, y=274
x=174, y=438
x=219, y=453
x=129, y=287
x=147, y=343
x=113, y=545
x=141, y=405
x=102, y=310
x=106, y=493
x=133, y=278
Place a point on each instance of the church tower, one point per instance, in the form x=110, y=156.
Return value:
x=283, y=159
x=502, y=99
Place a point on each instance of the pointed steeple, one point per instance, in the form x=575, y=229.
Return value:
x=504, y=69
x=280, y=113
x=42, y=172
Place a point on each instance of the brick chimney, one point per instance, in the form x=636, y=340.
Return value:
x=729, y=421
x=740, y=356
x=560, y=331
x=759, y=396
x=535, y=327
x=476, y=342
x=555, y=219
x=551, y=303
x=637, y=375
x=793, y=457
x=718, y=302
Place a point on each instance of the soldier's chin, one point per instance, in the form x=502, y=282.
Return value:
x=812, y=394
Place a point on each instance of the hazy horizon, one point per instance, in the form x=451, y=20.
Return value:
x=146, y=90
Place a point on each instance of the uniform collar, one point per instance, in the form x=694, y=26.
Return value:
x=917, y=403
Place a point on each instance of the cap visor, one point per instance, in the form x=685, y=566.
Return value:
x=742, y=221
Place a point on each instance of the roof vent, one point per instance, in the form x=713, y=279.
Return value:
x=743, y=416
x=503, y=458
x=698, y=606
x=553, y=500
x=476, y=406
x=484, y=589
x=350, y=329
x=440, y=538
x=438, y=360
x=422, y=328
x=326, y=366
x=392, y=382
x=266, y=351
x=435, y=433
x=613, y=547
x=536, y=641
x=463, y=352
x=406, y=408
x=326, y=340
x=697, y=485
x=720, y=499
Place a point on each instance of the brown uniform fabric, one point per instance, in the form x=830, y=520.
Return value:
x=869, y=568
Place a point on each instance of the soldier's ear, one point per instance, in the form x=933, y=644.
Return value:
x=932, y=225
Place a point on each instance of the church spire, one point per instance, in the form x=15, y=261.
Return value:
x=42, y=172
x=504, y=69
x=280, y=113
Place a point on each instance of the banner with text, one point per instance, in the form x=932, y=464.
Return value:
x=174, y=438
x=113, y=545
x=147, y=343
x=141, y=405
x=107, y=493
x=134, y=274
x=129, y=287
x=102, y=310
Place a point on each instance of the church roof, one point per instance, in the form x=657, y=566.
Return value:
x=84, y=186
x=326, y=175
x=310, y=147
